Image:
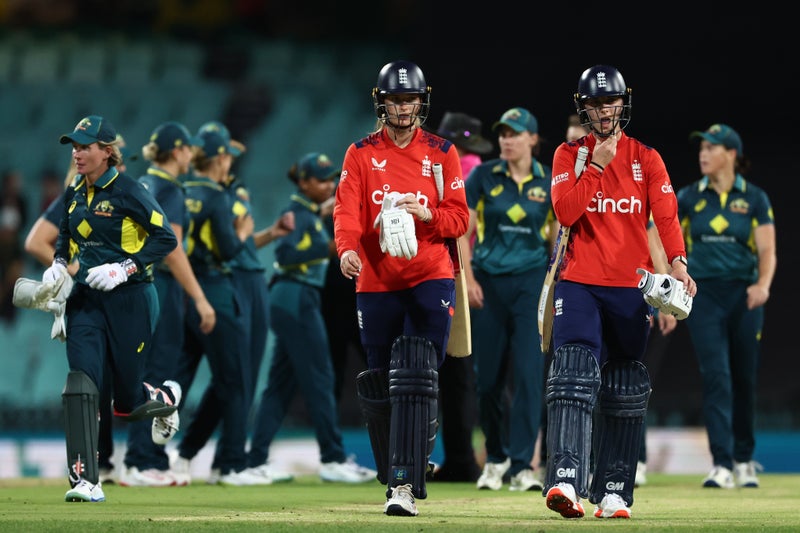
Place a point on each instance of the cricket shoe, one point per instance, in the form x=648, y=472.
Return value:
x=612, y=506
x=107, y=475
x=180, y=468
x=165, y=427
x=150, y=477
x=641, y=474
x=719, y=478
x=562, y=499
x=85, y=491
x=744, y=474
x=401, y=502
x=525, y=480
x=492, y=476
x=346, y=472
x=269, y=474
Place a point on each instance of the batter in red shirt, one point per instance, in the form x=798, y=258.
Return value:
x=404, y=304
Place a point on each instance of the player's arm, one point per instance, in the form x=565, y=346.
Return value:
x=474, y=289
x=758, y=293
x=571, y=195
x=181, y=269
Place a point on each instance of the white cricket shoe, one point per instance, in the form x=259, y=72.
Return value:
x=152, y=477
x=641, y=474
x=401, y=503
x=492, y=475
x=612, y=506
x=180, y=468
x=107, y=476
x=268, y=474
x=165, y=427
x=563, y=499
x=525, y=480
x=85, y=491
x=745, y=474
x=720, y=478
x=346, y=472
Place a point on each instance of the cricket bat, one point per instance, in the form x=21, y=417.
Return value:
x=460, y=341
x=545, y=311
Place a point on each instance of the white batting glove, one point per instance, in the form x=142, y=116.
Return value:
x=665, y=293
x=107, y=276
x=55, y=272
x=398, y=234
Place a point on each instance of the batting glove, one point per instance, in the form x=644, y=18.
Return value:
x=107, y=276
x=398, y=234
x=665, y=293
x=55, y=272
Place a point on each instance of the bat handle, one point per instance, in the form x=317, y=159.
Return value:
x=438, y=177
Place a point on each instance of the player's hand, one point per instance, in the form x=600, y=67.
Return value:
x=107, y=276
x=350, y=264
x=55, y=272
x=474, y=294
x=756, y=296
x=667, y=323
x=208, y=317
x=605, y=151
x=398, y=234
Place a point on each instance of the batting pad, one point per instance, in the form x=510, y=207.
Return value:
x=413, y=393
x=81, y=426
x=620, y=414
x=373, y=397
x=571, y=393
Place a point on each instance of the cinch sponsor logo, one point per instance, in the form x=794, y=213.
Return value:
x=457, y=183
x=667, y=188
x=377, y=196
x=610, y=205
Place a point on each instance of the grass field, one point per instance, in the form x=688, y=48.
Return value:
x=666, y=503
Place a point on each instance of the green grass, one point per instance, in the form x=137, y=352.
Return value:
x=666, y=503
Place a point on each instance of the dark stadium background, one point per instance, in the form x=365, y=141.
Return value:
x=687, y=68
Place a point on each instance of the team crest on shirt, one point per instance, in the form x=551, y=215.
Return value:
x=104, y=209
x=537, y=194
x=740, y=206
x=636, y=168
x=426, y=167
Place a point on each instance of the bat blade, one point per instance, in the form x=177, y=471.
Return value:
x=546, y=302
x=460, y=342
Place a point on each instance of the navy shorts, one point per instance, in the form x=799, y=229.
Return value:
x=612, y=322
x=421, y=311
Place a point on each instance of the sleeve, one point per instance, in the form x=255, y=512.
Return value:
x=450, y=217
x=160, y=239
x=763, y=212
x=304, y=244
x=347, y=213
x=664, y=206
x=571, y=195
x=222, y=219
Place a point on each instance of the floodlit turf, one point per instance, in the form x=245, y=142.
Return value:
x=666, y=503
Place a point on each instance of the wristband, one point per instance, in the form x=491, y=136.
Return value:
x=426, y=216
x=680, y=258
x=129, y=266
x=598, y=165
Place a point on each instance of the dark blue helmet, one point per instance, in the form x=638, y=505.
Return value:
x=602, y=81
x=401, y=77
